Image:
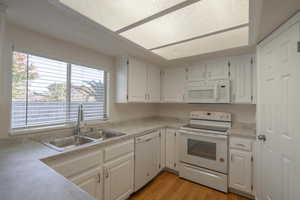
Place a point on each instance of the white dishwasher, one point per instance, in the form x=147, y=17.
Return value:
x=147, y=158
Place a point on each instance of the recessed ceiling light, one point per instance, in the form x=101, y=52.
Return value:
x=225, y=40
x=117, y=14
x=203, y=17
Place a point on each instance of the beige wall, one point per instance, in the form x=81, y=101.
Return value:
x=38, y=44
x=240, y=113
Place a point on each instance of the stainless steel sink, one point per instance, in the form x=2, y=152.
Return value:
x=103, y=134
x=64, y=143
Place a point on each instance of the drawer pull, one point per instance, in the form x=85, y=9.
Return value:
x=241, y=145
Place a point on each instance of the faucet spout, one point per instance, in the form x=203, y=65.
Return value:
x=80, y=119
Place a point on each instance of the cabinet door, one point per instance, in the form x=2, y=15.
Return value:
x=91, y=182
x=171, y=155
x=240, y=173
x=217, y=69
x=119, y=178
x=156, y=152
x=137, y=81
x=241, y=78
x=153, y=83
x=173, y=84
x=196, y=72
x=162, y=149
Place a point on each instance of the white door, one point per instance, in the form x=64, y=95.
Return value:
x=91, y=182
x=153, y=83
x=241, y=78
x=196, y=72
x=137, y=81
x=119, y=178
x=278, y=116
x=171, y=154
x=173, y=84
x=240, y=171
x=217, y=69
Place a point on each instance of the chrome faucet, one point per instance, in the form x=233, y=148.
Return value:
x=80, y=119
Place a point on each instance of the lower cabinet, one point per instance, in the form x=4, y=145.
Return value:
x=171, y=149
x=241, y=165
x=91, y=182
x=119, y=178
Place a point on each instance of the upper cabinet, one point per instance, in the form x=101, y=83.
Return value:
x=196, y=72
x=208, y=70
x=173, y=85
x=137, y=81
x=242, y=79
x=217, y=69
x=153, y=83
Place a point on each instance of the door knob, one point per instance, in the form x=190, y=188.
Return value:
x=262, y=138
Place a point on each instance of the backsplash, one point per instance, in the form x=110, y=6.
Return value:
x=240, y=113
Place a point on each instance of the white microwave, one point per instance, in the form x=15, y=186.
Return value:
x=213, y=91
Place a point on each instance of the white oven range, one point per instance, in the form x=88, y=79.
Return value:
x=203, y=149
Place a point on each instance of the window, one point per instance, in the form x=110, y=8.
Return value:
x=48, y=92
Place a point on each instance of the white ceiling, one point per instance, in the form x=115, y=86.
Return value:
x=43, y=17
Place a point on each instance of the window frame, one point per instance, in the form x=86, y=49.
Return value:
x=68, y=123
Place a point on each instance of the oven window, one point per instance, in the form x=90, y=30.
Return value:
x=202, y=149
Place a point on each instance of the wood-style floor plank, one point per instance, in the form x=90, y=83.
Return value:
x=168, y=186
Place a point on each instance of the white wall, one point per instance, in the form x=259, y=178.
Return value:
x=35, y=43
x=240, y=113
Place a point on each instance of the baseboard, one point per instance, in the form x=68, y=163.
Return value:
x=249, y=196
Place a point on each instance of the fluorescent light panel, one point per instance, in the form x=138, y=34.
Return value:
x=197, y=19
x=117, y=14
x=225, y=40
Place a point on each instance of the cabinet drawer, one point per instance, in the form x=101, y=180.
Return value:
x=118, y=150
x=240, y=143
x=71, y=164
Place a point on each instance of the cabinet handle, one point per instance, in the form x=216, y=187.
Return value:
x=145, y=96
x=99, y=178
x=106, y=173
x=231, y=158
x=241, y=145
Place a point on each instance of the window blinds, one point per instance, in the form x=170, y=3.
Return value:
x=48, y=92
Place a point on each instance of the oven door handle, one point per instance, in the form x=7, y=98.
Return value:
x=205, y=135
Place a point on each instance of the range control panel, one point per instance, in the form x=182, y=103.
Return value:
x=207, y=115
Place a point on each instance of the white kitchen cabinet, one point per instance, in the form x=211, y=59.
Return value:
x=153, y=83
x=241, y=165
x=91, y=181
x=137, y=81
x=196, y=72
x=241, y=170
x=171, y=149
x=217, y=69
x=173, y=85
x=162, y=149
x=119, y=178
x=241, y=72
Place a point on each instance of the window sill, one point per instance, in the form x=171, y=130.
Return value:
x=42, y=129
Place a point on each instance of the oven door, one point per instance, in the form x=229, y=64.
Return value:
x=205, y=150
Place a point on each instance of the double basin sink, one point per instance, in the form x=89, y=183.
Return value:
x=64, y=143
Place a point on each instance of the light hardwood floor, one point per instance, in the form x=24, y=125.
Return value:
x=168, y=186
